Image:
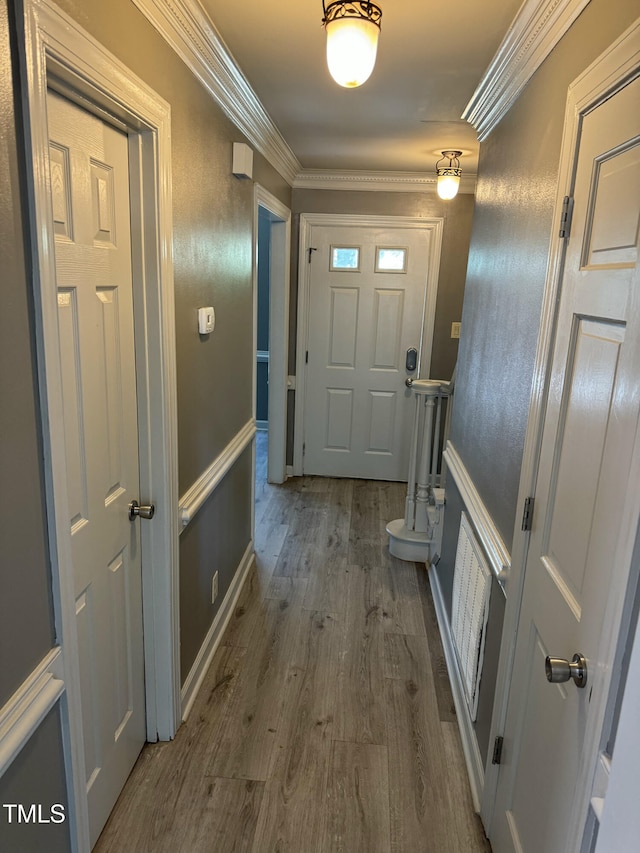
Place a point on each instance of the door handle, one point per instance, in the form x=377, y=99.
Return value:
x=143, y=511
x=559, y=670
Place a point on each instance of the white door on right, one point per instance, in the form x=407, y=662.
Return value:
x=586, y=499
x=368, y=288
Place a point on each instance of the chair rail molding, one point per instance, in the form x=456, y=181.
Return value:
x=205, y=485
x=29, y=705
x=486, y=530
x=534, y=32
x=185, y=26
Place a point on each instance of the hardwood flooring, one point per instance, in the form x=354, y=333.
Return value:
x=325, y=723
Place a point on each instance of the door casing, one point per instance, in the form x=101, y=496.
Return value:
x=434, y=225
x=280, y=218
x=608, y=73
x=57, y=52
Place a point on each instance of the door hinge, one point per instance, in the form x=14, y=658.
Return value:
x=304, y=447
x=527, y=515
x=306, y=357
x=497, y=750
x=311, y=249
x=566, y=216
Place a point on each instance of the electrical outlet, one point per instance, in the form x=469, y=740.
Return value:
x=455, y=330
x=214, y=588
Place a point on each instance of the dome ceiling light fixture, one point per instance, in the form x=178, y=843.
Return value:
x=352, y=40
x=449, y=175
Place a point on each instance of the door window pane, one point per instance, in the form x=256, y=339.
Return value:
x=391, y=259
x=345, y=258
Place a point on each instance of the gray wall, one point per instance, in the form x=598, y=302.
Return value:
x=26, y=619
x=36, y=776
x=213, y=227
x=26, y=611
x=507, y=264
x=205, y=550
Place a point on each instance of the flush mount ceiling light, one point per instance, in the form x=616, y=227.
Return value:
x=352, y=40
x=449, y=175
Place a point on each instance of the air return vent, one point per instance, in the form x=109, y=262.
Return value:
x=470, y=610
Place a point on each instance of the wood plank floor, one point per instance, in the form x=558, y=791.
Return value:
x=326, y=722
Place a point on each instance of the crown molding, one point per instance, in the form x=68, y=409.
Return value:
x=399, y=182
x=185, y=26
x=535, y=31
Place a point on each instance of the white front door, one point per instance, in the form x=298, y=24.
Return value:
x=367, y=296
x=90, y=201
x=586, y=501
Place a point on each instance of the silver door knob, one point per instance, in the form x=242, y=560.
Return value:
x=143, y=511
x=559, y=670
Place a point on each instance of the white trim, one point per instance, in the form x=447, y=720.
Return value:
x=307, y=222
x=198, y=671
x=262, y=426
x=398, y=182
x=470, y=747
x=488, y=534
x=620, y=820
x=56, y=49
x=278, y=355
x=533, y=34
x=186, y=27
x=194, y=498
x=262, y=356
x=594, y=85
x=23, y=713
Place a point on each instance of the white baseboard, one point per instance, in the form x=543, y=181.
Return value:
x=212, y=640
x=472, y=756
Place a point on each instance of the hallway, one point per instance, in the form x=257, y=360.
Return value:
x=325, y=722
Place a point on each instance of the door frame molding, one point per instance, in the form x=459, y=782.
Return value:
x=279, y=289
x=433, y=225
x=56, y=51
x=609, y=72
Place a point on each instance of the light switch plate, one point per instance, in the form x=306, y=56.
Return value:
x=206, y=320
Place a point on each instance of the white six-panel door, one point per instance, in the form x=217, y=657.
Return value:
x=90, y=201
x=586, y=501
x=367, y=292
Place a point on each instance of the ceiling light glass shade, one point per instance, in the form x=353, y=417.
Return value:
x=352, y=41
x=448, y=186
x=449, y=175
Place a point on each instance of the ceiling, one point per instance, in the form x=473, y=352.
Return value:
x=431, y=58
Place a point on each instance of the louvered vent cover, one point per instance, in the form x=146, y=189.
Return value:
x=470, y=610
